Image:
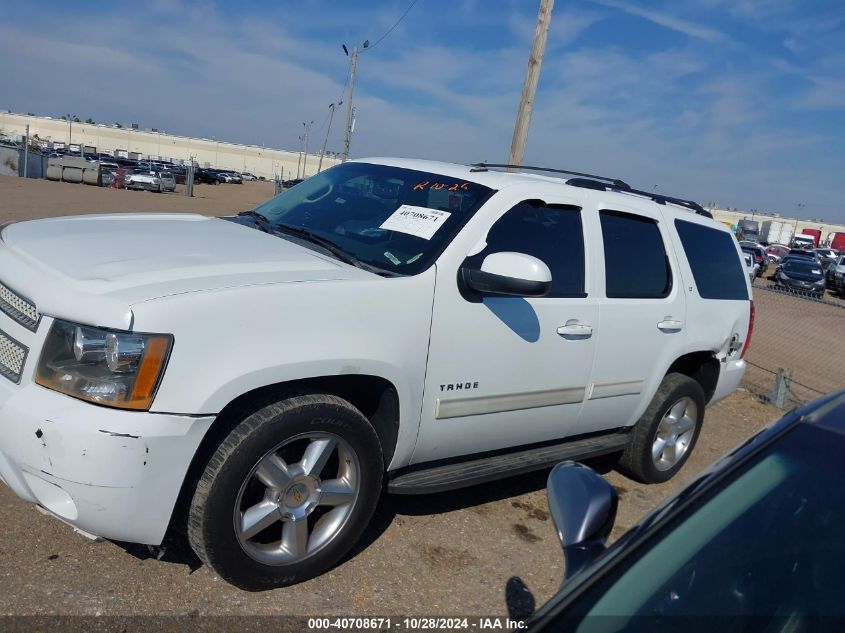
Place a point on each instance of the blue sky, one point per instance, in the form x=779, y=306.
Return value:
x=741, y=102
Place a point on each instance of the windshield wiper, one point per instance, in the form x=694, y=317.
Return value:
x=261, y=220
x=321, y=241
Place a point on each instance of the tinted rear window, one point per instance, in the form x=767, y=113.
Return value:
x=717, y=270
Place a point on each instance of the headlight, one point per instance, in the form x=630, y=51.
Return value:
x=112, y=368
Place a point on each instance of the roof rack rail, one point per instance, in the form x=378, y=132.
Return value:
x=600, y=183
x=619, y=184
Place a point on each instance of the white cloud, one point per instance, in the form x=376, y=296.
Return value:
x=670, y=22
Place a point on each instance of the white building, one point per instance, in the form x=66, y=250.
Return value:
x=261, y=161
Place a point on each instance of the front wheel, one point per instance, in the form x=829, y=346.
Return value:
x=287, y=493
x=663, y=438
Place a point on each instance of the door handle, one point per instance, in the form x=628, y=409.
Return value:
x=670, y=325
x=574, y=328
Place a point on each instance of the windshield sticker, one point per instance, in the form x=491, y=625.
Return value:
x=416, y=221
x=414, y=258
x=392, y=258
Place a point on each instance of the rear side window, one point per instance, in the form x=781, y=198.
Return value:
x=712, y=257
x=635, y=261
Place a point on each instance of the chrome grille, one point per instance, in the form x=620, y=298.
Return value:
x=19, y=308
x=12, y=357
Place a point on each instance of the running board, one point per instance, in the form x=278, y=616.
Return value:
x=478, y=471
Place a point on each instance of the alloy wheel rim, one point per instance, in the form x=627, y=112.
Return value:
x=674, y=434
x=297, y=498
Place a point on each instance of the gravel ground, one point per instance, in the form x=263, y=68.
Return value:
x=444, y=554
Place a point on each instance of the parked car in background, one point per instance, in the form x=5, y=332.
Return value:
x=248, y=176
x=143, y=179
x=802, y=275
x=222, y=176
x=287, y=184
x=835, y=275
x=802, y=253
x=168, y=181
x=751, y=266
x=753, y=543
x=179, y=173
x=803, y=241
x=205, y=176
x=759, y=255
x=775, y=252
x=824, y=253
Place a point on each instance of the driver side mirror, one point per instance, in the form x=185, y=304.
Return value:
x=583, y=508
x=509, y=273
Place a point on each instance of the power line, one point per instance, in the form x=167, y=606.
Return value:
x=402, y=17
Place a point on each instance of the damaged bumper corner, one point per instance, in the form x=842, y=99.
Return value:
x=111, y=473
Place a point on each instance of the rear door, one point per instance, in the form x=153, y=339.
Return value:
x=642, y=313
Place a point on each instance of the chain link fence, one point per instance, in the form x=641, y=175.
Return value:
x=797, y=350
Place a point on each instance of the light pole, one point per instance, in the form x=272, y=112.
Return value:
x=299, y=160
x=332, y=107
x=797, y=216
x=353, y=63
x=307, y=126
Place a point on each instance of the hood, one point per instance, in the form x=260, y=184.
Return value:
x=135, y=257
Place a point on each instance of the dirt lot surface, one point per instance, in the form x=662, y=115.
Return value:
x=445, y=554
x=28, y=199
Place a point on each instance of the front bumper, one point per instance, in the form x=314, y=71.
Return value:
x=145, y=186
x=112, y=473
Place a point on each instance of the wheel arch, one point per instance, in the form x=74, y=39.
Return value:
x=702, y=366
x=377, y=398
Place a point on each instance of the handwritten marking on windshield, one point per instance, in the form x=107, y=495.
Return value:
x=436, y=186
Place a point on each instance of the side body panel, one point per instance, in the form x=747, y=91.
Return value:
x=232, y=341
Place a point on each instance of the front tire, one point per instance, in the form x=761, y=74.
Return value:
x=664, y=437
x=287, y=493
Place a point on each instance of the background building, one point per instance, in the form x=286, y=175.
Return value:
x=261, y=161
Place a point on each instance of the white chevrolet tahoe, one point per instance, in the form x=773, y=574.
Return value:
x=387, y=325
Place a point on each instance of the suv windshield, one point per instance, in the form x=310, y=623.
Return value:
x=394, y=219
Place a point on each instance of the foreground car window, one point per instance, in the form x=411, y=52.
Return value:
x=395, y=219
x=767, y=544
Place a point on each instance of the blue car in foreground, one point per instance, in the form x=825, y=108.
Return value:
x=756, y=543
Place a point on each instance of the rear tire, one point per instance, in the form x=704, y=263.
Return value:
x=664, y=437
x=287, y=493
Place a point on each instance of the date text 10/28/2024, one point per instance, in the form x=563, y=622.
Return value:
x=415, y=624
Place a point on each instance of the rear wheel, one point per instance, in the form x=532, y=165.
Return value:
x=663, y=438
x=287, y=493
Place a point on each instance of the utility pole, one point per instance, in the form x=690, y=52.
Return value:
x=353, y=63
x=305, y=145
x=328, y=129
x=26, y=152
x=529, y=87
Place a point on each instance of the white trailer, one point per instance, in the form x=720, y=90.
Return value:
x=776, y=232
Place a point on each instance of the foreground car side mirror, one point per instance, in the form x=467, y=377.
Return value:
x=583, y=507
x=509, y=273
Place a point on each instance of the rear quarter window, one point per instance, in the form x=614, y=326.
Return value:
x=713, y=260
